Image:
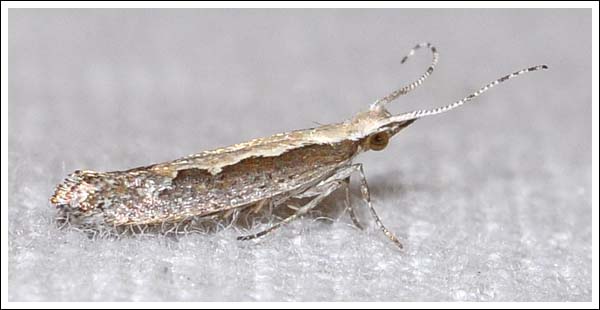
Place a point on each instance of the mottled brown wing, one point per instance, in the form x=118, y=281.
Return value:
x=142, y=196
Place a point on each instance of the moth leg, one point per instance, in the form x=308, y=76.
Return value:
x=227, y=213
x=233, y=215
x=328, y=187
x=349, y=206
x=366, y=195
x=258, y=206
x=342, y=174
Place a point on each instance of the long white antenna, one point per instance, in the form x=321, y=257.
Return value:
x=421, y=113
x=406, y=89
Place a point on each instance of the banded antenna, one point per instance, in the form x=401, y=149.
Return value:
x=408, y=88
x=422, y=113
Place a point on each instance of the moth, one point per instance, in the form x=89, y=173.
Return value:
x=307, y=164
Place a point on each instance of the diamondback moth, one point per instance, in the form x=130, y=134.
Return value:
x=308, y=164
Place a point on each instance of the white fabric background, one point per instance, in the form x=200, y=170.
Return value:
x=492, y=201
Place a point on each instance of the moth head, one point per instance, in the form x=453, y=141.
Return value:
x=375, y=128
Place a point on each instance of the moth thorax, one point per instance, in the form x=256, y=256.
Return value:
x=378, y=141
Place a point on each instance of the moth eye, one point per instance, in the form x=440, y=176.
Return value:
x=378, y=141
